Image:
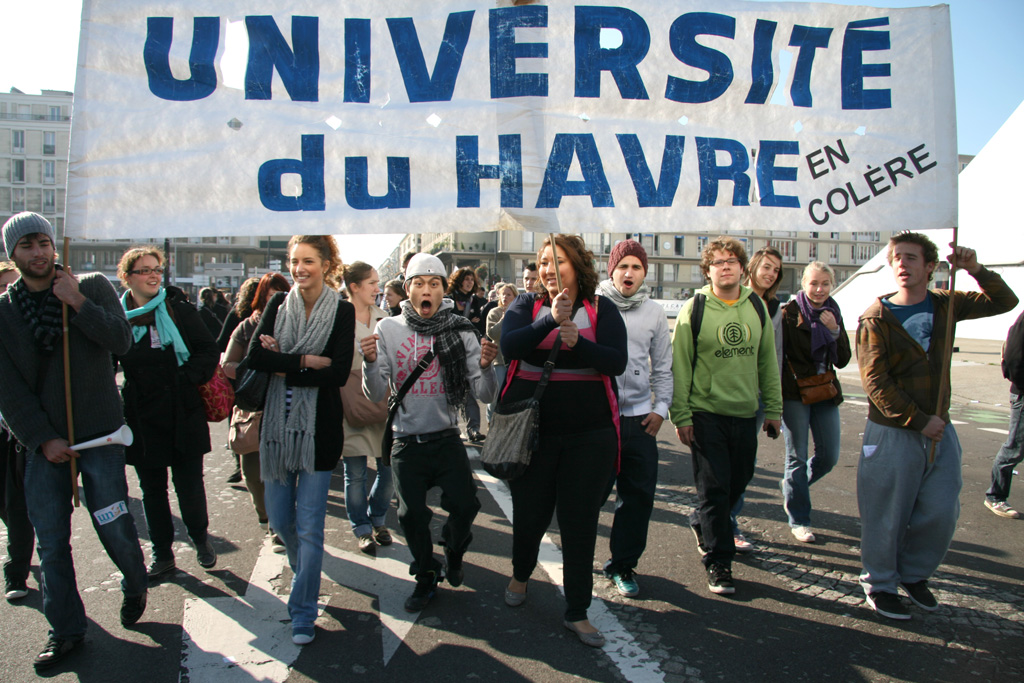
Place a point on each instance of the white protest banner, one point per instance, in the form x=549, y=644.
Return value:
x=198, y=117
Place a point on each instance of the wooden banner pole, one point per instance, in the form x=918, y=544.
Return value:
x=947, y=350
x=67, y=382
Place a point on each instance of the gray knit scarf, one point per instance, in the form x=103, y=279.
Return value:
x=46, y=320
x=606, y=288
x=445, y=326
x=288, y=442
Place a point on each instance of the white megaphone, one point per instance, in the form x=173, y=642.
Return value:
x=122, y=436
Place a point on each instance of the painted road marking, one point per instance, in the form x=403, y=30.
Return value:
x=957, y=422
x=855, y=403
x=246, y=639
x=631, y=659
x=1004, y=432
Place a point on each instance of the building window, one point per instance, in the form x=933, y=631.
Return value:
x=55, y=114
x=17, y=142
x=833, y=253
x=49, y=172
x=812, y=251
x=834, y=235
x=49, y=201
x=696, y=274
x=702, y=244
x=49, y=143
x=17, y=200
x=786, y=247
x=669, y=273
x=862, y=253
x=17, y=170
x=679, y=246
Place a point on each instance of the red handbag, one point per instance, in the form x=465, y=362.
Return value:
x=218, y=396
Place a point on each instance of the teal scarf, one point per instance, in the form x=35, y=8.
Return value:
x=165, y=326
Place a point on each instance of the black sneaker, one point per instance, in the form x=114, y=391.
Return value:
x=695, y=528
x=475, y=436
x=55, y=650
x=15, y=589
x=425, y=589
x=720, y=579
x=236, y=477
x=160, y=567
x=889, y=605
x=206, y=556
x=132, y=608
x=920, y=595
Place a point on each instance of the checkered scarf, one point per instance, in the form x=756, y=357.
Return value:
x=46, y=320
x=445, y=326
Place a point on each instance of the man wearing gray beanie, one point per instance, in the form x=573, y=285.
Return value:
x=32, y=403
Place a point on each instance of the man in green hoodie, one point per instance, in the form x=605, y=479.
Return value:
x=715, y=398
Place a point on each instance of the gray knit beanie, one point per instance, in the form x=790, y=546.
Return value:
x=424, y=264
x=26, y=223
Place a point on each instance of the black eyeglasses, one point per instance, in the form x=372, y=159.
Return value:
x=146, y=271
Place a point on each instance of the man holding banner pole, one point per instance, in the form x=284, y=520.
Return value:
x=908, y=475
x=33, y=405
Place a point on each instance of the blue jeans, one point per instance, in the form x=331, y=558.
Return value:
x=366, y=512
x=822, y=419
x=635, y=486
x=296, y=509
x=1010, y=454
x=48, y=496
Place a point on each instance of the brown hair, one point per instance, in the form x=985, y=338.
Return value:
x=133, y=254
x=269, y=284
x=328, y=249
x=7, y=267
x=722, y=243
x=246, y=293
x=354, y=273
x=458, y=277
x=755, y=263
x=582, y=259
x=397, y=287
x=928, y=248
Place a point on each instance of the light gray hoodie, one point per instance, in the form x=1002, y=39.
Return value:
x=425, y=408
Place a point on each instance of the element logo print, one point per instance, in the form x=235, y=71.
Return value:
x=734, y=334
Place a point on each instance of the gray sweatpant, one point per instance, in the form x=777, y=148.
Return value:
x=908, y=505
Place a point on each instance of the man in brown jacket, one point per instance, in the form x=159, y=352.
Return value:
x=909, y=500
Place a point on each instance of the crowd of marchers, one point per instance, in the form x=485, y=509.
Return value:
x=336, y=368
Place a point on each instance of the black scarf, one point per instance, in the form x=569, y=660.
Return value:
x=445, y=326
x=46, y=320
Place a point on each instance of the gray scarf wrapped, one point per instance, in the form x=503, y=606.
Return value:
x=287, y=443
x=606, y=288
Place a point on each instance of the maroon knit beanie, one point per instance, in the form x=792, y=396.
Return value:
x=626, y=248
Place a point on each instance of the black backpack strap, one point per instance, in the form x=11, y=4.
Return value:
x=696, y=318
x=755, y=299
x=395, y=402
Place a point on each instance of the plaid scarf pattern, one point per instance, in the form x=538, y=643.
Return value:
x=46, y=320
x=445, y=326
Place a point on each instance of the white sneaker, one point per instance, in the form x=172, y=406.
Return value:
x=741, y=543
x=803, y=534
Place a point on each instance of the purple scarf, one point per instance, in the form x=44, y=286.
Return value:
x=823, y=344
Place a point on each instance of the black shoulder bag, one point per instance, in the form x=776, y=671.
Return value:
x=514, y=433
x=395, y=402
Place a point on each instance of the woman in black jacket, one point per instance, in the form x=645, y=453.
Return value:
x=305, y=338
x=461, y=288
x=172, y=355
x=814, y=343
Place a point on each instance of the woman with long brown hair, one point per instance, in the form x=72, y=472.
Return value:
x=578, y=451
x=305, y=338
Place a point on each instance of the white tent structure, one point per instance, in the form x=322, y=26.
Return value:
x=991, y=222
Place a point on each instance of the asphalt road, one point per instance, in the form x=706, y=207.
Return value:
x=798, y=614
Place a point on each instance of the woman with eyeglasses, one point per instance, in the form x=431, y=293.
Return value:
x=173, y=353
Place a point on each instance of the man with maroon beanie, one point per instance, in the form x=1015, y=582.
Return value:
x=649, y=370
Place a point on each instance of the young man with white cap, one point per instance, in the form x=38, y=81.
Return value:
x=32, y=403
x=428, y=450
x=649, y=370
